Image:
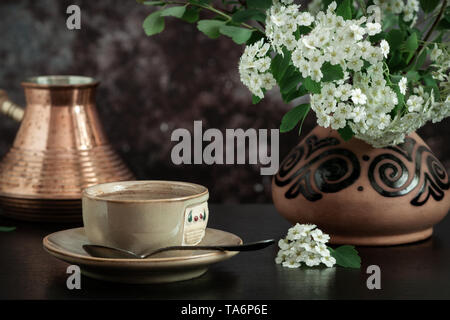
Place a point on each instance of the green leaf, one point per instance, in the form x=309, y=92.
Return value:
x=259, y=4
x=249, y=14
x=279, y=65
x=378, y=37
x=395, y=39
x=256, y=36
x=395, y=78
x=290, y=79
x=301, y=30
x=210, y=28
x=152, y=3
x=176, y=12
x=412, y=76
x=293, y=94
x=345, y=10
x=421, y=59
x=312, y=86
x=395, y=59
x=153, y=24
x=190, y=15
x=400, y=97
x=411, y=44
x=346, y=133
x=389, y=20
x=293, y=117
x=401, y=101
x=431, y=84
x=7, y=229
x=331, y=72
x=429, y=5
x=346, y=256
x=255, y=99
x=239, y=35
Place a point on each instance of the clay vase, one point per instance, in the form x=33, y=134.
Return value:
x=59, y=150
x=361, y=195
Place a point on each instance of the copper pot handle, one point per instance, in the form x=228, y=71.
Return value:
x=10, y=108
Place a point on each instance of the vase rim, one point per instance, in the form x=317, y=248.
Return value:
x=60, y=81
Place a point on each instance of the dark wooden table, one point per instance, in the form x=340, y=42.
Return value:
x=420, y=270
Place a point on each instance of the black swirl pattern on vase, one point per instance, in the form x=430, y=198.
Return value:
x=394, y=178
x=336, y=169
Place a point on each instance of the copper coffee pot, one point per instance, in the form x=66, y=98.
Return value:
x=59, y=150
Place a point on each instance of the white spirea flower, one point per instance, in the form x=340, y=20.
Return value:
x=321, y=249
x=253, y=68
x=358, y=114
x=402, y=85
x=283, y=244
x=356, y=32
x=358, y=97
x=304, y=19
x=304, y=244
x=373, y=28
x=291, y=263
x=414, y=103
x=328, y=261
x=384, y=46
x=319, y=236
x=435, y=53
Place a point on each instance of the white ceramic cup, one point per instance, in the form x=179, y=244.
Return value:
x=141, y=216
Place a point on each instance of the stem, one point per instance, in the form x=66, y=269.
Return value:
x=208, y=7
x=428, y=34
x=387, y=73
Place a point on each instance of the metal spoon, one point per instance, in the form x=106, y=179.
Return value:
x=108, y=252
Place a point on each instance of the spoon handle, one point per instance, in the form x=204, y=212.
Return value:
x=240, y=247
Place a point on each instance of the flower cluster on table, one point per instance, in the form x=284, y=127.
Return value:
x=304, y=243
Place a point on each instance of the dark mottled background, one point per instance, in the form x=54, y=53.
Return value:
x=149, y=87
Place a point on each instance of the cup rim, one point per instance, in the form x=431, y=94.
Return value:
x=201, y=191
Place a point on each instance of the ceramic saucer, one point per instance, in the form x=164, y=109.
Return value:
x=167, y=266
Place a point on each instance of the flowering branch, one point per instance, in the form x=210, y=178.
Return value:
x=429, y=33
x=362, y=81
